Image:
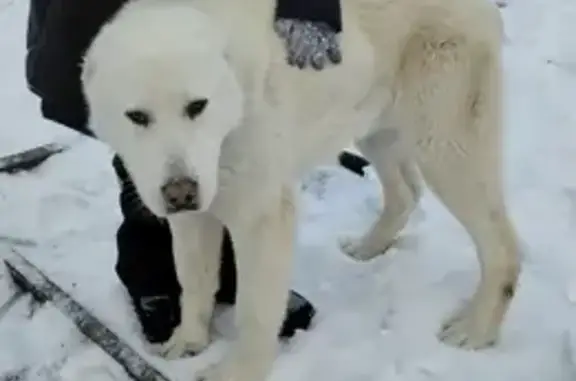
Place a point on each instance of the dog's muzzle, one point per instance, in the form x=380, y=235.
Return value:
x=180, y=194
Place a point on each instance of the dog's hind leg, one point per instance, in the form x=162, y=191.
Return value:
x=455, y=108
x=401, y=191
x=472, y=192
x=197, y=239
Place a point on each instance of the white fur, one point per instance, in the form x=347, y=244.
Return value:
x=419, y=88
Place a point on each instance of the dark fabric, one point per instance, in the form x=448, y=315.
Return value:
x=60, y=31
x=66, y=114
x=158, y=316
x=327, y=11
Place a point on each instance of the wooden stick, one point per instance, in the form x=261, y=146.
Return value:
x=30, y=279
x=29, y=159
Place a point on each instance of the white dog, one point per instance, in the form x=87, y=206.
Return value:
x=215, y=129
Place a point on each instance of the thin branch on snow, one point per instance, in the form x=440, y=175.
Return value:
x=29, y=159
x=31, y=279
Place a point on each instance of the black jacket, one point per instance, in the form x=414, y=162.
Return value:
x=59, y=32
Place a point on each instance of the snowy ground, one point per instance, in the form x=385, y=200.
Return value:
x=376, y=321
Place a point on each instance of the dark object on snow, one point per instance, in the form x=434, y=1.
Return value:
x=353, y=162
x=300, y=314
x=30, y=279
x=29, y=159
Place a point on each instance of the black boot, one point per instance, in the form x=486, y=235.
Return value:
x=353, y=162
x=146, y=268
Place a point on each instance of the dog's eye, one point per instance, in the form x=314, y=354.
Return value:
x=195, y=108
x=139, y=117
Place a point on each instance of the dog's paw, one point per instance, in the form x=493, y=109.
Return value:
x=187, y=340
x=469, y=329
x=357, y=249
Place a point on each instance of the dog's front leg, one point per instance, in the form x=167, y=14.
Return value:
x=264, y=246
x=197, y=239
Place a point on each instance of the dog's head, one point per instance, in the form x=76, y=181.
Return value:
x=161, y=93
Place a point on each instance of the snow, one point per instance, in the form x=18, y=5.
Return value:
x=377, y=321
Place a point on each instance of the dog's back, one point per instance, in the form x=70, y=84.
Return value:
x=312, y=113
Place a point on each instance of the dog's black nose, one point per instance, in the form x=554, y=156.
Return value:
x=180, y=193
